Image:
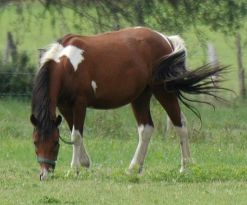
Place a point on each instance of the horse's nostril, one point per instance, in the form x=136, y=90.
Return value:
x=40, y=177
x=43, y=175
x=51, y=169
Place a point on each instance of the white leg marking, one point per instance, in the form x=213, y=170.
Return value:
x=56, y=51
x=141, y=150
x=94, y=86
x=79, y=156
x=169, y=125
x=182, y=132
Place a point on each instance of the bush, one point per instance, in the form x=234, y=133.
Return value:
x=16, y=77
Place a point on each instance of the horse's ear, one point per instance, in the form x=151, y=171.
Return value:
x=33, y=120
x=58, y=120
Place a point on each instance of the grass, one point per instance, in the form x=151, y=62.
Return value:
x=218, y=176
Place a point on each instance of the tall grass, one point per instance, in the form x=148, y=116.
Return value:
x=218, y=176
x=219, y=151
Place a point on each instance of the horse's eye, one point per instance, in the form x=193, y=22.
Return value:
x=35, y=143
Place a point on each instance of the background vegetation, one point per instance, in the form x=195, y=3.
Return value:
x=219, y=174
x=36, y=23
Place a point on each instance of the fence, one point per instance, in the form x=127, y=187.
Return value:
x=16, y=84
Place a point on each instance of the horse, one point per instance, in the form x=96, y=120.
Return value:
x=107, y=71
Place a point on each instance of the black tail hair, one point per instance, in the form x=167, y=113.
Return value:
x=172, y=73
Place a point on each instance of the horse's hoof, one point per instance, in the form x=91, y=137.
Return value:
x=136, y=169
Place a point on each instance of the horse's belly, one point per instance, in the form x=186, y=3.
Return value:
x=114, y=98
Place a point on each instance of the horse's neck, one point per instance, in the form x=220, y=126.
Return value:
x=54, y=89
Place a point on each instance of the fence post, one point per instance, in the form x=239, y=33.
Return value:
x=11, y=49
x=241, y=72
x=213, y=60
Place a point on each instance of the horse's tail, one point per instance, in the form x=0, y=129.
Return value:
x=172, y=73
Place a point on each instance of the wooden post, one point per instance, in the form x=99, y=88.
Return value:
x=10, y=50
x=213, y=60
x=212, y=56
x=241, y=72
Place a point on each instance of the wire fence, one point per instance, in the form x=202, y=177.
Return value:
x=16, y=84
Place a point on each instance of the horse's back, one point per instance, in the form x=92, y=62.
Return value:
x=116, y=66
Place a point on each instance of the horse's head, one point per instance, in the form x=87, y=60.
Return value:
x=46, y=145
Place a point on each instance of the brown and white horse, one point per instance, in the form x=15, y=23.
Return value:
x=108, y=71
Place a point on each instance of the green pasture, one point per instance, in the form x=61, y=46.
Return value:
x=218, y=176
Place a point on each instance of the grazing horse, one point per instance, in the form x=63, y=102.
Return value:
x=108, y=71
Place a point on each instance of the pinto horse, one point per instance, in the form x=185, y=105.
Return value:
x=108, y=71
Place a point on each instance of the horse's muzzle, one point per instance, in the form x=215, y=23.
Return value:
x=45, y=173
x=47, y=166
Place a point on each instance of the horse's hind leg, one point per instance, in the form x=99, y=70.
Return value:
x=169, y=124
x=142, y=114
x=170, y=103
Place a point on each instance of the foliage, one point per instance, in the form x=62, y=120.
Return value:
x=16, y=76
x=173, y=15
x=226, y=16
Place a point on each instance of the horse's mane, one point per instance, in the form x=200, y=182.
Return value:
x=40, y=101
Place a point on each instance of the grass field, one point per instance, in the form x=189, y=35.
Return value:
x=218, y=176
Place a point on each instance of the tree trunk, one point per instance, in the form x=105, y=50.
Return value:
x=10, y=50
x=139, y=13
x=241, y=73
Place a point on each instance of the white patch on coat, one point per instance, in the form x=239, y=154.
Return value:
x=79, y=156
x=74, y=54
x=94, y=86
x=52, y=53
x=141, y=150
x=165, y=38
x=56, y=51
x=138, y=27
x=177, y=43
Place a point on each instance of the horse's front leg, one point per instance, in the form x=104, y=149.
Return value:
x=79, y=156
